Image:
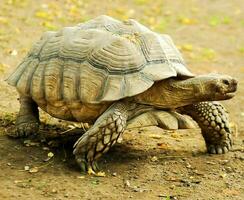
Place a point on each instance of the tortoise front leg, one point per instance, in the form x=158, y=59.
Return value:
x=27, y=121
x=101, y=136
x=213, y=120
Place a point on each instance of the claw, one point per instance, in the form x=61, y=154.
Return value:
x=219, y=150
x=212, y=150
x=95, y=166
x=91, y=171
x=225, y=150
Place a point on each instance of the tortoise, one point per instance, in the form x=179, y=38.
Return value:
x=108, y=72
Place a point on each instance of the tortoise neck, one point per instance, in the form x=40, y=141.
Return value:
x=172, y=93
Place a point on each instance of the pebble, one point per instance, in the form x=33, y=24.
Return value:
x=223, y=162
x=211, y=163
x=127, y=183
x=114, y=174
x=54, y=191
x=154, y=159
x=228, y=169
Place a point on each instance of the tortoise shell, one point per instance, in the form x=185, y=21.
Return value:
x=101, y=60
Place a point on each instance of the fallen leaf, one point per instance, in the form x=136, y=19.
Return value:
x=4, y=20
x=49, y=25
x=226, y=20
x=50, y=154
x=241, y=50
x=186, y=47
x=44, y=15
x=214, y=21
x=208, y=54
x=187, y=21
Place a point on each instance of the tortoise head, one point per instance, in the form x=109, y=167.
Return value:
x=215, y=86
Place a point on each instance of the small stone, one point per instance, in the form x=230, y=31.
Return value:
x=228, y=169
x=211, y=163
x=127, y=183
x=172, y=187
x=54, y=191
x=80, y=177
x=154, y=159
x=223, y=162
x=114, y=174
x=45, y=148
x=188, y=166
x=33, y=170
x=66, y=195
x=223, y=175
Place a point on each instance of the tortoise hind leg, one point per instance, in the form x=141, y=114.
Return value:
x=213, y=120
x=27, y=121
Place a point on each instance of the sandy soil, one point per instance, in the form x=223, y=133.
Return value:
x=150, y=163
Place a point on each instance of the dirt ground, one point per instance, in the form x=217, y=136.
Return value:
x=150, y=163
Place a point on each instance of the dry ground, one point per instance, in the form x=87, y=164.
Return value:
x=150, y=163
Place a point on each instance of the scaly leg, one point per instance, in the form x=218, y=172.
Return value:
x=27, y=121
x=213, y=120
x=168, y=120
x=101, y=136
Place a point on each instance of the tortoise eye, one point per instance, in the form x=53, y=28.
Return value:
x=226, y=82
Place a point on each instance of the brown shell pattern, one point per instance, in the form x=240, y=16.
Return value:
x=101, y=60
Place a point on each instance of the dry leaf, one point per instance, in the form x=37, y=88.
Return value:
x=44, y=15
x=50, y=154
x=186, y=47
x=187, y=21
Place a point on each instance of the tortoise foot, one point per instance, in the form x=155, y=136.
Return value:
x=24, y=129
x=221, y=147
x=90, y=167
